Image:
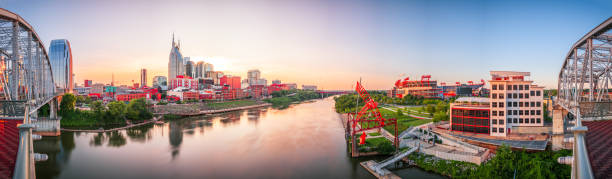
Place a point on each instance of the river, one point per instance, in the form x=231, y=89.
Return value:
x=303, y=141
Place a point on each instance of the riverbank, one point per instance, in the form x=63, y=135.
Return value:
x=113, y=129
x=185, y=110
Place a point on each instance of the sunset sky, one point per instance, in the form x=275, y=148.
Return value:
x=327, y=43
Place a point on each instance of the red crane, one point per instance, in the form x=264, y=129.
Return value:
x=368, y=118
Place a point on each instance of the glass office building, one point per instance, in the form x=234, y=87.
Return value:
x=60, y=57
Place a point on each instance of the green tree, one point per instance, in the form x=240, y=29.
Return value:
x=117, y=110
x=430, y=109
x=67, y=104
x=97, y=107
x=440, y=116
x=137, y=110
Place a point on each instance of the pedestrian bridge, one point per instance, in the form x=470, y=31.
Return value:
x=26, y=84
x=584, y=91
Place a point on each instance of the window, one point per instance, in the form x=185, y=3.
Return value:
x=501, y=104
x=520, y=112
x=514, y=112
x=494, y=95
x=514, y=96
x=509, y=112
x=532, y=112
x=520, y=95
x=532, y=93
x=509, y=104
x=532, y=104
x=494, y=121
x=533, y=120
x=493, y=87
x=501, y=95
x=514, y=104
x=537, y=93
x=501, y=121
x=538, y=112
x=526, y=87
x=515, y=121
x=501, y=87
x=526, y=95
x=538, y=104
x=501, y=130
x=501, y=113
x=494, y=129
x=539, y=120
x=493, y=113
x=509, y=87
x=509, y=120
x=520, y=104
x=494, y=104
x=521, y=120
x=515, y=87
x=520, y=87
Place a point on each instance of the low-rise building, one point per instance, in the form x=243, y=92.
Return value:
x=184, y=82
x=470, y=114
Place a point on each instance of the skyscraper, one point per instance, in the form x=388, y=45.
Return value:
x=189, y=67
x=60, y=57
x=176, y=64
x=143, y=77
x=199, y=70
x=160, y=81
x=208, y=69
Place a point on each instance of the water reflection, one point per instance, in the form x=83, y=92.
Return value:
x=58, y=149
x=255, y=143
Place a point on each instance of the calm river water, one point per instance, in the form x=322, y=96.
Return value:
x=302, y=141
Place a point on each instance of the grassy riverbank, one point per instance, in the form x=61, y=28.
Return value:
x=113, y=114
x=231, y=104
x=506, y=164
x=403, y=121
x=197, y=107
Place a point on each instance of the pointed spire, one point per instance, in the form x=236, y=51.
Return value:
x=172, y=39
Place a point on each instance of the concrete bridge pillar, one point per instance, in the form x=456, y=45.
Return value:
x=53, y=108
x=558, y=127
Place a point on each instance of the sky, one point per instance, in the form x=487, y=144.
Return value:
x=329, y=43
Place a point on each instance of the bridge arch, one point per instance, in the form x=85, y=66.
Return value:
x=584, y=90
x=25, y=69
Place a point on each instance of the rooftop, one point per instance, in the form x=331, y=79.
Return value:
x=473, y=99
x=598, y=143
x=9, y=145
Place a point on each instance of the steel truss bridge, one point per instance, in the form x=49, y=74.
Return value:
x=584, y=89
x=26, y=84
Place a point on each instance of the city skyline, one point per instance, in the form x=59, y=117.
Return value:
x=329, y=44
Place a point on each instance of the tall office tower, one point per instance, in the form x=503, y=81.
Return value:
x=143, y=78
x=60, y=57
x=199, y=70
x=176, y=64
x=208, y=69
x=189, y=68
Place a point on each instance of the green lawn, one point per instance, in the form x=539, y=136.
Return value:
x=374, y=134
x=419, y=110
x=404, y=122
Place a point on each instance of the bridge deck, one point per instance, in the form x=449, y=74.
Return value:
x=9, y=145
